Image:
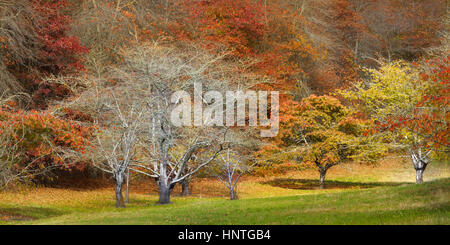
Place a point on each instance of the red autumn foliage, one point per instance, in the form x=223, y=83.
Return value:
x=235, y=25
x=44, y=140
x=430, y=119
x=60, y=51
x=55, y=52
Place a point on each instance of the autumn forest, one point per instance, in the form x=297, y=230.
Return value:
x=87, y=104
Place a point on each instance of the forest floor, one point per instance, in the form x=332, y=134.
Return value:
x=354, y=194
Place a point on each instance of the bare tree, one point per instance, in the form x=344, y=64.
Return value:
x=151, y=144
x=230, y=170
x=20, y=42
x=160, y=72
x=169, y=171
x=102, y=27
x=118, y=146
x=165, y=141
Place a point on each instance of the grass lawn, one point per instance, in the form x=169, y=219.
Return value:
x=351, y=199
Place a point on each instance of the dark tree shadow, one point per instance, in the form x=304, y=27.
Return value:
x=27, y=213
x=312, y=184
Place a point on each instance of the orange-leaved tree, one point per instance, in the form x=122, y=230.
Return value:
x=327, y=133
x=35, y=143
x=234, y=25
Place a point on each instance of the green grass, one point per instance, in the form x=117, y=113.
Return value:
x=427, y=203
x=355, y=194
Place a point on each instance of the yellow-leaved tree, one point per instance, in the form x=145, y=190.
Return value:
x=400, y=98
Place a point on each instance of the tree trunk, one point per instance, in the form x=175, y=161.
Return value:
x=119, y=197
x=322, y=179
x=233, y=194
x=419, y=166
x=419, y=176
x=185, y=187
x=128, y=187
x=164, y=193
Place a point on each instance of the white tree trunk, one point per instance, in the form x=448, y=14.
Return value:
x=164, y=191
x=419, y=176
x=420, y=162
x=233, y=194
x=118, y=190
x=128, y=187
